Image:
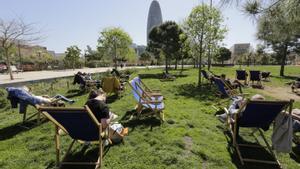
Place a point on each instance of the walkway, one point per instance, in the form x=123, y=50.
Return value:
x=35, y=76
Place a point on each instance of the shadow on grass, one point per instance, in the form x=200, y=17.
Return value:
x=85, y=154
x=11, y=131
x=130, y=120
x=204, y=93
x=259, y=153
x=111, y=98
x=286, y=77
x=75, y=92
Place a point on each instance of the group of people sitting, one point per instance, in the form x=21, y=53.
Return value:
x=85, y=80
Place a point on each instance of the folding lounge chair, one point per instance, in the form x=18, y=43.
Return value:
x=145, y=88
x=152, y=102
x=266, y=76
x=256, y=115
x=225, y=90
x=24, y=99
x=206, y=76
x=241, y=75
x=255, y=76
x=80, y=124
x=112, y=85
x=296, y=116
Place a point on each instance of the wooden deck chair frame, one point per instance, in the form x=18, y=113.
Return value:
x=231, y=92
x=37, y=114
x=145, y=98
x=233, y=128
x=146, y=89
x=58, y=126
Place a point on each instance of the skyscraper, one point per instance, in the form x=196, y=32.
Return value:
x=154, y=17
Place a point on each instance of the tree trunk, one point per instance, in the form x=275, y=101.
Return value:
x=167, y=66
x=209, y=58
x=200, y=60
x=182, y=65
x=8, y=64
x=176, y=62
x=283, y=60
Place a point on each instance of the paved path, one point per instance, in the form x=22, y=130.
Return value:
x=35, y=76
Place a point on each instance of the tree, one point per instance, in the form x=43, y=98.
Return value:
x=72, y=56
x=223, y=55
x=166, y=38
x=185, y=48
x=278, y=30
x=201, y=31
x=115, y=42
x=13, y=32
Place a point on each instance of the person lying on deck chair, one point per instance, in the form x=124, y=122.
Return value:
x=236, y=104
x=24, y=96
x=234, y=84
x=96, y=102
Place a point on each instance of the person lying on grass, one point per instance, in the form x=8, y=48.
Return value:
x=235, y=106
x=96, y=102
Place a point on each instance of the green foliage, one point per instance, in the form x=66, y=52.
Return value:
x=204, y=28
x=223, y=55
x=72, y=57
x=166, y=38
x=146, y=56
x=91, y=55
x=115, y=42
x=281, y=32
x=3, y=100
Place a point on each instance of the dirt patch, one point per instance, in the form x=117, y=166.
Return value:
x=281, y=93
x=188, y=143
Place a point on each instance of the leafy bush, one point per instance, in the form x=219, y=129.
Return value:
x=3, y=100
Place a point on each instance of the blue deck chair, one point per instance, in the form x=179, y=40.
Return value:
x=206, y=76
x=241, y=75
x=145, y=88
x=257, y=115
x=80, y=124
x=255, y=76
x=147, y=101
x=224, y=90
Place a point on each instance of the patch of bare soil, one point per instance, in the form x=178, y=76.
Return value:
x=188, y=142
x=281, y=93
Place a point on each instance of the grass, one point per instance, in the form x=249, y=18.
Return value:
x=191, y=137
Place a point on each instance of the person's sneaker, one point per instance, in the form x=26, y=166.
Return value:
x=222, y=117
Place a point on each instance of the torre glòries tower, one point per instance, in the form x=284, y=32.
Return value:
x=154, y=17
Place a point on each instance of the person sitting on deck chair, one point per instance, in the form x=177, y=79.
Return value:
x=295, y=85
x=234, y=84
x=236, y=104
x=24, y=97
x=96, y=102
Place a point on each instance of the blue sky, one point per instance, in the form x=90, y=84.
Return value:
x=78, y=22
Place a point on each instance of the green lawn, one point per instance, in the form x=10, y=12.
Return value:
x=191, y=137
